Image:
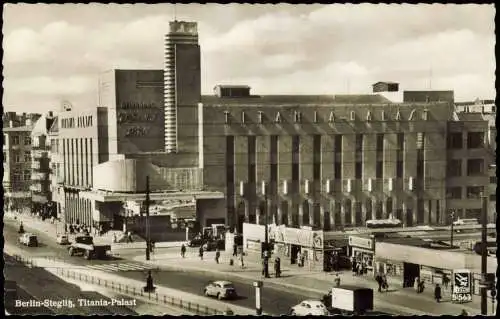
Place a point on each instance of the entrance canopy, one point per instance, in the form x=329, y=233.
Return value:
x=103, y=196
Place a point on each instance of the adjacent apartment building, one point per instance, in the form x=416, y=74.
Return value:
x=17, y=159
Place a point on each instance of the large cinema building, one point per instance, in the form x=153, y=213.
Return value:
x=329, y=161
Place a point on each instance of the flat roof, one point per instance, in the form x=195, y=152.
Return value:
x=103, y=196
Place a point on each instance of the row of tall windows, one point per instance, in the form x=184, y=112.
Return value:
x=78, y=161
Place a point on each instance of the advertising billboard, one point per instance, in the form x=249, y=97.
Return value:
x=462, y=286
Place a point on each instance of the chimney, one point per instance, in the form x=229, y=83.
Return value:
x=50, y=114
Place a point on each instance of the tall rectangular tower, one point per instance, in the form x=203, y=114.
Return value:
x=182, y=78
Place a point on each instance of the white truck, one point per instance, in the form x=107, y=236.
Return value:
x=84, y=245
x=349, y=300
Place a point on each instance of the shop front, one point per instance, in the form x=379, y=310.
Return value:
x=300, y=247
x=408, y=262
x=362, y=249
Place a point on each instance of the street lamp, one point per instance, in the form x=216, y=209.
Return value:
x=266, y=230
x=452, y=215
x=484, y=254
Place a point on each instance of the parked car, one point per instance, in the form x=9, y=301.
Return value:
x=29, y=240
x=195, y=242
x=214, y=244
x=309, y=308
x=221, y=289
x=62, y=239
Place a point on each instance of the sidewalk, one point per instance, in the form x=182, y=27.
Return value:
x=315, y=281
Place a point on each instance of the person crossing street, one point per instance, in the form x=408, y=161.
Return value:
x=183, y=251
x=217, y=255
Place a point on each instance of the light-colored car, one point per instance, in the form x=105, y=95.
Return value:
x=29, y=240
x=309, y=308
x=62, y=239
x=221, y=289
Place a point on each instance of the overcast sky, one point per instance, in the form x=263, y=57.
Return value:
x=55, y=52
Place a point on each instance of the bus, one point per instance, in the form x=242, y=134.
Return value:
x=384, y=223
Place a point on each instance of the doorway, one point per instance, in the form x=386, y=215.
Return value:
x=410, y=273
x=294, y=251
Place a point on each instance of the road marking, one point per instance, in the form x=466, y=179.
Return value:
x=120, y=267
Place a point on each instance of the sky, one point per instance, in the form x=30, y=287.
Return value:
x=54, y=53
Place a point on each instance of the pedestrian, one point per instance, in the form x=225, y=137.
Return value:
x=354, y=266
x=421, y=286
x=235, y=250
x=201, y=252
x=277, y=267
x=378, y=279
x=217, y=255
x=299, y=259
x=242, y=264
x=437, y=293
x=183, y=251
x=358, y=270
x=114, y=238
x=337, y=280
x=446, y=281
x=385, y=285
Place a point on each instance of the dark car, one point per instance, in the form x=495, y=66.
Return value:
x=195, y=242
x=212, y=245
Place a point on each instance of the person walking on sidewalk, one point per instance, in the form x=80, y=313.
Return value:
x=201, y=252
x=337, y=280
x=183, y=251
x=437, y=293
x=299, y=259
x=446, y=281
x=235, y=250
x=217, y=255
x=385, y=284
x=277, y=267
x=379, y=280
x=242, y=264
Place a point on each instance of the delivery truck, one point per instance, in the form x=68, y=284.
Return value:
x=349, y=300
x=84, y=245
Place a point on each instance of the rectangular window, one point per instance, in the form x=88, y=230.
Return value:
x=27, y=140
x=475, y=140
x=380, y=143
x=475, y=167
x=454, y=168
x=493, y=179
x=17, y=157
x=474, y=192
x=420, y=163
x=454, y=192
x=338, y=144
x=401, y=141
x=295, y=149
x=338, y=170
x=317, y=157
x=15, y=140
x=27, y=157
x=379, y=169
x=359, y=143
x=274, y=163
x=4, y=157
x=27, y=175
x=358, y=170
x=493, y=197
x=455, y=141
x=399, y=169
x=251, y=153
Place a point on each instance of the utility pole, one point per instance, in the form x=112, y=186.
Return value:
x=266, y=230
x=148, y=240
x=452, y=214
x=484, y=254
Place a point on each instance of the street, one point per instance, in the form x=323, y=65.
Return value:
x=276, y=299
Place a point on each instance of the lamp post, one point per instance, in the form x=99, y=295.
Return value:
x=452, y=215
x=148, y=240
x=258, y=296
x=484, y=254
x=266, y=231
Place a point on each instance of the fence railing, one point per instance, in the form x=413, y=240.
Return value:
x=132, y=290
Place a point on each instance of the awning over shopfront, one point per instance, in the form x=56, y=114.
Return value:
x=103, y=196
x=439, y=259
